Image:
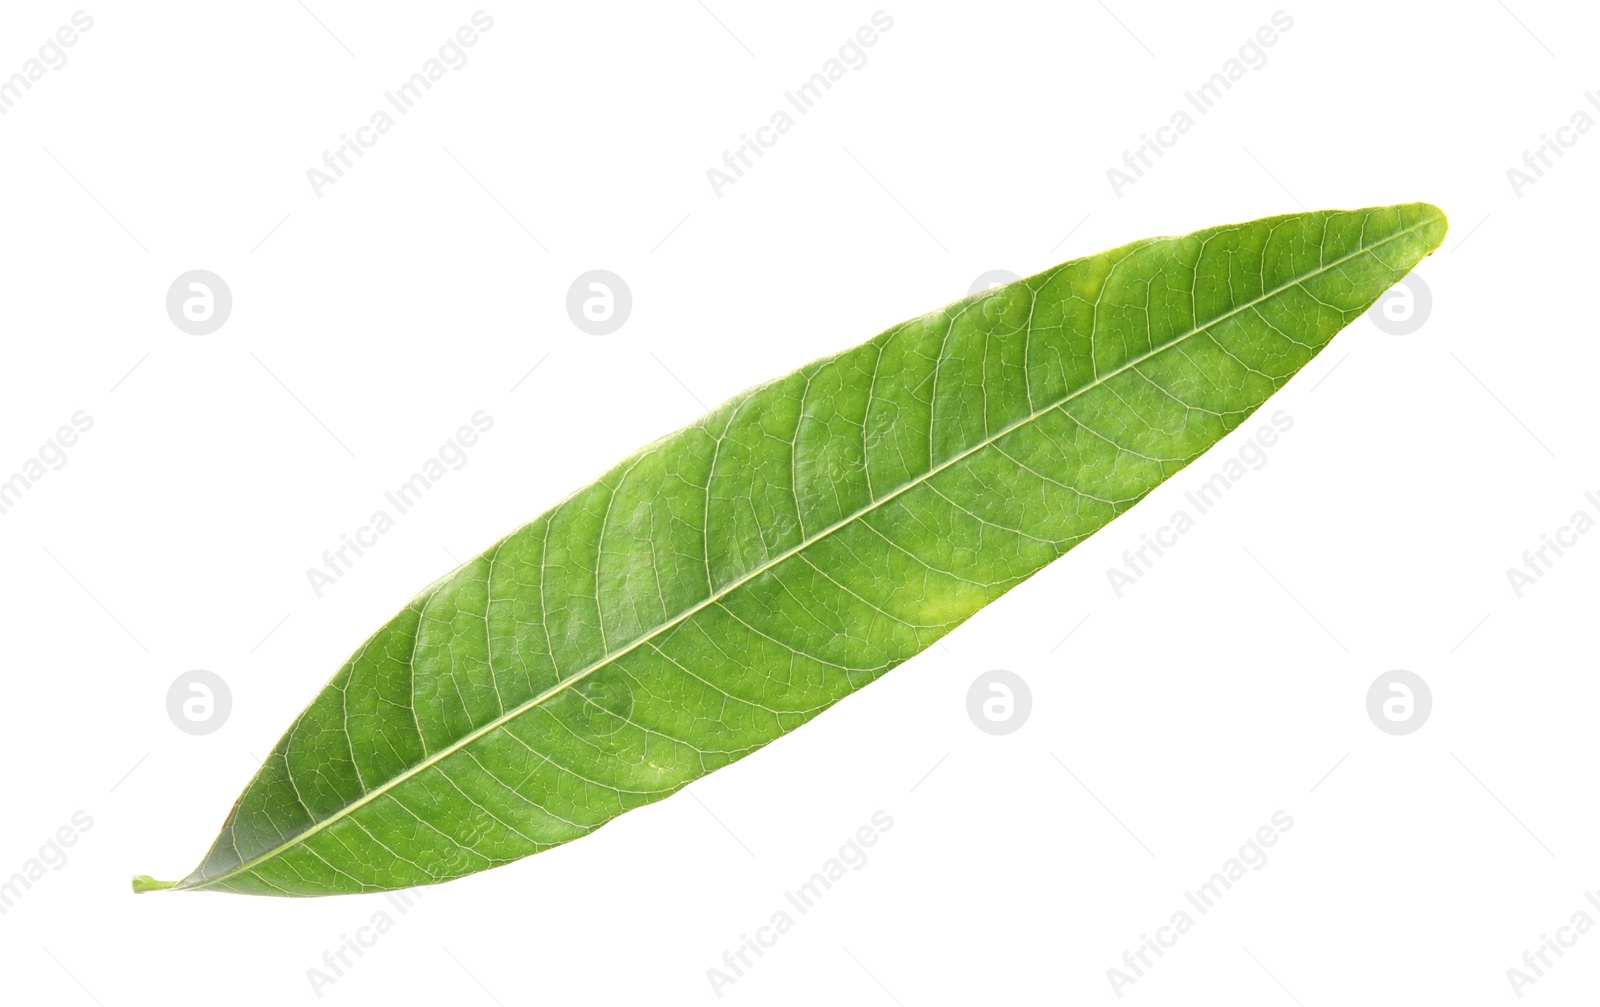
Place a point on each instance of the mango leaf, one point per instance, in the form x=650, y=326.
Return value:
x=733, y=580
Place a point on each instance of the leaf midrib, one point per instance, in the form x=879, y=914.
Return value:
x=435, y=758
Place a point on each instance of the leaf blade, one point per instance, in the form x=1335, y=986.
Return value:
x=716, y=590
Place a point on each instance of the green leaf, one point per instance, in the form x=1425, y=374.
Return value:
x=731, y=581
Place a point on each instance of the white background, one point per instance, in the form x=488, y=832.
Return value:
x=1175, y=721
